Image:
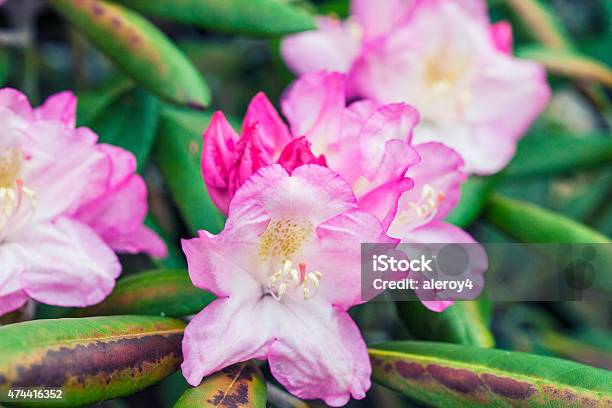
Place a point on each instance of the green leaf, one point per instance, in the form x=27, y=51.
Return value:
x=465, y=323
x=159, y=292
x=448, y=375
x=177, y=153
x=130, y=122
x=569, y=64
x=91, y=359
x=474, y=193
x=256, y=17
x=527, y=222
x=93, y=101
x=549, y=154
x=5, y=65
x=239, y=385
x=139, y=49
x=542, y=22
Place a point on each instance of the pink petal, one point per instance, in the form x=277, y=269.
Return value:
x=118, y=215
x=495, y=123
x=314, y=106
x=379, y=17
x=250, y=155
x=226, y=332
x=68, y=264
x=311, y=190
x=441, y=168
x=273, y=132
x=17, y=102
x=12, y=296
x=222, y=263
x=61, y=106
x=439, y=232
x=63, y=169
x=501, y=34
x=320, y=354
x=217, y=158
x=333, y=46
x=297, y=153
x=390, y=122
x=337, y=254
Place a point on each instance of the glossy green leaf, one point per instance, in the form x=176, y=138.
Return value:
x=138, y=48
x=569, y=64
x=259, y=17
x=474, y=193
x=90, y=359
x=541, y=22
x=449, y=375
x=465, y=323
x=130, y=122
x=177, y=153
x=159, y=292
x=563, y=153
x=527, y=222
x=239, y=385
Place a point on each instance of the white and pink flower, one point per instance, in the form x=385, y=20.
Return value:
x=286, y=270
x=66, y=204
x=443, y=57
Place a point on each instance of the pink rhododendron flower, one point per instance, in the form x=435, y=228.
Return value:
x=65, y=204
x=286, y=270
x=443, y=57
x=409, y=187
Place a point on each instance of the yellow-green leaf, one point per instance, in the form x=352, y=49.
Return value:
x=90, y=359
x=570, y=64
x=454, y=376
x=141, y=50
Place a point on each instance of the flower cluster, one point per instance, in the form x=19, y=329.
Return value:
x=66, y=204
x=443, y=57
x=435, y=87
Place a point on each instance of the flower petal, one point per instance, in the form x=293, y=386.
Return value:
x=333, y=46
x=61, y=106
x=273, y=133
x=223, y=263
x=63, y=169
x=314, y=106
x=12, y=296
x=311, y=191
x=379, y=17
x=226, y=332
x=217, y=158
x=441, y=168
x=390, y=122
x=320, y=354
x=501, y=34
x=337, y=254
x=68, y=264
x=17, y=102
x=298, y=153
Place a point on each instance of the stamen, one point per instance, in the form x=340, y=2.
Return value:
x=289, y=277
x=17, y=205
x=425, y=208
x=11, y=160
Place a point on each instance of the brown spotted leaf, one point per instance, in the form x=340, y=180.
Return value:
x=138, y=48
x=90, y=359
x=239, y=386
x=448, y=375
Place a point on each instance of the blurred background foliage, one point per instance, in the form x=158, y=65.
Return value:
x=151, y=81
